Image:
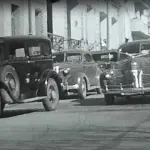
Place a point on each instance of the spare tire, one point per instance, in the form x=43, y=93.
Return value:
x=9, y=76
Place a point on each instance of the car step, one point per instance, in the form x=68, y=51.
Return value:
x=33, y=99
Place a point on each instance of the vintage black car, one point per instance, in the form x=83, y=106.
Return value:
x=78, y=71
x=105, y=58
x=130, y=76
x=26, y=71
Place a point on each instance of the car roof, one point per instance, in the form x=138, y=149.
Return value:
x=72, y=51
x=22, y=38
x=134, y=42
x=104, y=52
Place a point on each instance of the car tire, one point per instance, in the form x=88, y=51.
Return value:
x=82, y=90
x=10, y=78
x=51, y=101
x=2, y=105
x=109, y=99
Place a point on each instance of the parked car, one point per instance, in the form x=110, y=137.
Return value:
x=129, y=76
x=78, y=71
x=26, y=71
x=105, y=58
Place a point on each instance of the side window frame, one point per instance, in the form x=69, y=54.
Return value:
x=28, y=44
x=125, y=57
x=13, y=57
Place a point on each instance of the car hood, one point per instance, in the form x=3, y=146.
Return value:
x=65, y=65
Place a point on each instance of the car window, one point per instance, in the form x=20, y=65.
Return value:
x=58, y=58
x=16, y=50
x=38, y=49
x=123, y=56
x=88, y=58
x=145, y=48
x=73, y=57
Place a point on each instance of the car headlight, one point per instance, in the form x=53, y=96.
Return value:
x=66, y=71
x=56, y=68
x=111, y=72
x=108, y=76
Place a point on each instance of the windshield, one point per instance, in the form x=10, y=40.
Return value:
x=73, y=57
x=67, y=57
x=105, y=57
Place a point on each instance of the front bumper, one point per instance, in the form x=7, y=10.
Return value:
x=67, y=87
x=127, y=91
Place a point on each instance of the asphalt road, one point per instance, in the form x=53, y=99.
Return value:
x=89, y=125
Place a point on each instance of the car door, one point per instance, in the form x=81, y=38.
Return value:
x=90, y=69
x=17, y=56
x=40, y=59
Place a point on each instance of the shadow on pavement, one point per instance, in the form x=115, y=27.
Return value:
x=89, y=102
x=118, y=101
x=74, y=96
x=18, y=112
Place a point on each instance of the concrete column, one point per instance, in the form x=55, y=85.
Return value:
x=1, y=19
x=64, y=5
x=85, y=27
x=108, y=23
x=30, y=16
x=49, y=17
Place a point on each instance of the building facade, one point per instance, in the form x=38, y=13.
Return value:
x=23, y=17
x=98, y=24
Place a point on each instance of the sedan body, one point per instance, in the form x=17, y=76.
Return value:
x=76, y=67
x=130, y=76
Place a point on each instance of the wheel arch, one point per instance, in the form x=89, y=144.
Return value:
x=82, y=75
x=44, y=77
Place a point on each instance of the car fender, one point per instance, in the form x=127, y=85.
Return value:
x=76, y=78
x=48, y=73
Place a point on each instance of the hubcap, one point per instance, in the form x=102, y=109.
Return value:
x=10, y=81
x=52, y=94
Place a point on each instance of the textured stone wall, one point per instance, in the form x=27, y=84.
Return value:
x=23, y=25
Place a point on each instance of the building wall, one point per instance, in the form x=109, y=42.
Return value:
x=23, y=25
x=40, y=5
x=86, y=25
x=77, y=22
x=59, y=18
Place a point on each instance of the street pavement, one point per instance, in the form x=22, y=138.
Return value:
x=90, y=125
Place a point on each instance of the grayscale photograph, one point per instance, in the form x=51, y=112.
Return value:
x=74, y=74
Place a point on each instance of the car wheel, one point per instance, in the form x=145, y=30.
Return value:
x=109, y=99
x=10, y=78
x=2, y=106
x=51, y=101
x=82, y=90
